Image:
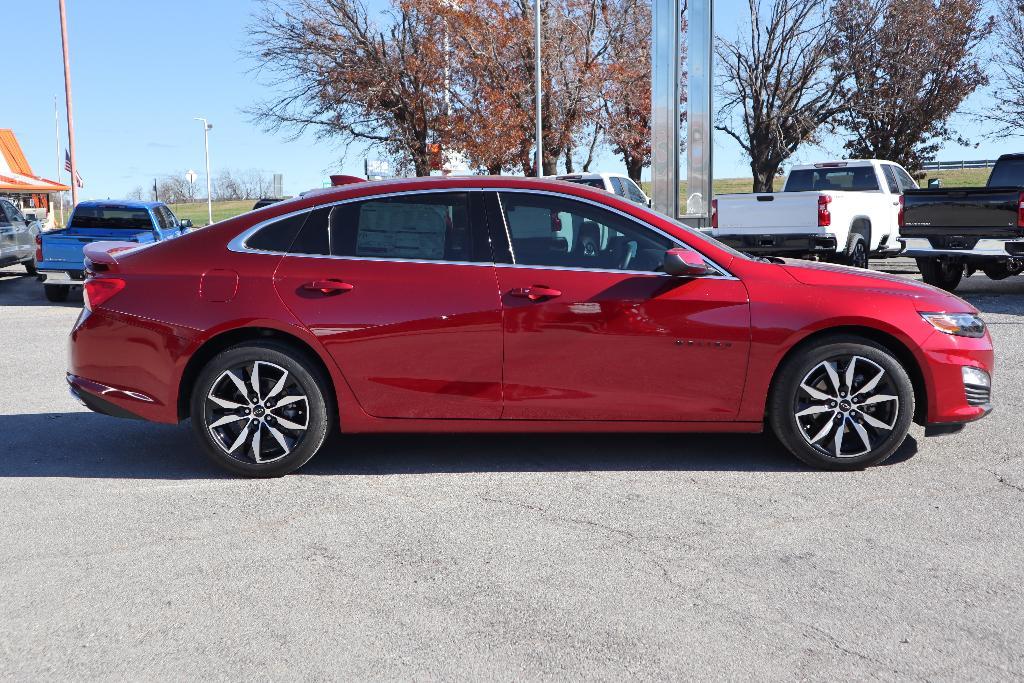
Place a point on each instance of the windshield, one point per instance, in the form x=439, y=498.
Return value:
x=849, y=179
x=111, y=217
x=1007, y=173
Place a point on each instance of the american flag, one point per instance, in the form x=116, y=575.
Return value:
x=67, y=167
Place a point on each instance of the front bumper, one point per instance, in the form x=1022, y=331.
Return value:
x=781, y=243
x=950, y=400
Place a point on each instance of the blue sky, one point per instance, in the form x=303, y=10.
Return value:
x=142, y=70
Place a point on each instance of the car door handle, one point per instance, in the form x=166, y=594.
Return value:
x=328, y=286
x=535, y=293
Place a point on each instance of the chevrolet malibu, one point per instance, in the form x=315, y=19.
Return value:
x=510, y=305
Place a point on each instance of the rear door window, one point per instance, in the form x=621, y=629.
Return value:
x=618, y=186
x=890, y=178
x=421, y=227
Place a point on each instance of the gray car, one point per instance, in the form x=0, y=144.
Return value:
x=17, y=237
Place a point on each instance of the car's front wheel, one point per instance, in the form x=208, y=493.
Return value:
x=260, y=409
x=845, y=404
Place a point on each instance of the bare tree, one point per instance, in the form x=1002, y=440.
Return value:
x=905, y=85
x=1008, y=60
x=137, y=193
x=174, y=189
x=233, y=184
x=492, y=85
x=781, y=82
x=342, y=76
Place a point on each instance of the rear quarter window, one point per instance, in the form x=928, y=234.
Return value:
x=279, y=235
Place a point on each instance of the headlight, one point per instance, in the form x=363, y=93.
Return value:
x=959, y=324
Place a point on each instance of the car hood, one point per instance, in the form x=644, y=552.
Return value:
x=925, y=297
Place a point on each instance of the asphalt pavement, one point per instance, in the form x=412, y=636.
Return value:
x=125, y=555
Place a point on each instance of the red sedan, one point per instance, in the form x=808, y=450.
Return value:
x=510, y=305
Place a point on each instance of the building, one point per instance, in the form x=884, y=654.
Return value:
x=33, y=194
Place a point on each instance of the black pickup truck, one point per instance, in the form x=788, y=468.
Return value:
x=965, y=229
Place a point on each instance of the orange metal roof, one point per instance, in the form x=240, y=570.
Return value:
x=21, y=178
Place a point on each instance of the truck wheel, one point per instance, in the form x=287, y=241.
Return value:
x=941, y=273
x=1001, y=271
x=30, y=267
x=56, y=293
x=857, y=252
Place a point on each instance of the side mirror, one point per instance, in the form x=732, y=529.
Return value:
x=187, y=223
x=684, y=263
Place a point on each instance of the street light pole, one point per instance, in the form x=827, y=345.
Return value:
x=209, y=186
x=539, y=163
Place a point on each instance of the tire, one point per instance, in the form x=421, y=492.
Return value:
x=809, y=423
x=30, y=267
x=941, y=273
x=286, y=435
x=57, y=293
x=1001, y=271
x=857, y=252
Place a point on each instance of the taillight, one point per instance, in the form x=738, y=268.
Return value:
x=39, y=248
x=899, y=216
x=1020, y=210
x=97, y=291
x=714, y=213
x=824, y=217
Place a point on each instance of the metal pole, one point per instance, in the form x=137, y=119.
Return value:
x=67, y=96
x=56, y=140
x=209, y=185
x=700, y=59
x=539, y=162
x=665, y=106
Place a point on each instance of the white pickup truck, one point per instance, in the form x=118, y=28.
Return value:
x=846, y=211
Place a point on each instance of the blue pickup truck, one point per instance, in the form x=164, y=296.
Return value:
x=59, y=257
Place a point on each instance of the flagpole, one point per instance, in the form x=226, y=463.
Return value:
x=56, y=139
x=67, y=96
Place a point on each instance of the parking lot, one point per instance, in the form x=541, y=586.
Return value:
x=124, y=554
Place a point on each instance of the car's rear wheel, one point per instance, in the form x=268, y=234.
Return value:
x=30, y=267
x=57, y=293
x=260, y=409
x=845, y=404
x=941, y=273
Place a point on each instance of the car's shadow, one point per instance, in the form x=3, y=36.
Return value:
x=95, y=446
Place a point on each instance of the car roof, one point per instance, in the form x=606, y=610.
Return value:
x=118, y=204
x=372, y=187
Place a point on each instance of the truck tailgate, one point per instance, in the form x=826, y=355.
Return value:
x=66, y=246
x=780, y=212
x=969, y=211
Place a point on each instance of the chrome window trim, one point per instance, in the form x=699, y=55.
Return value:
x=238, y=242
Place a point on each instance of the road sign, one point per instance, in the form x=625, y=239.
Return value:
x=191, y=176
